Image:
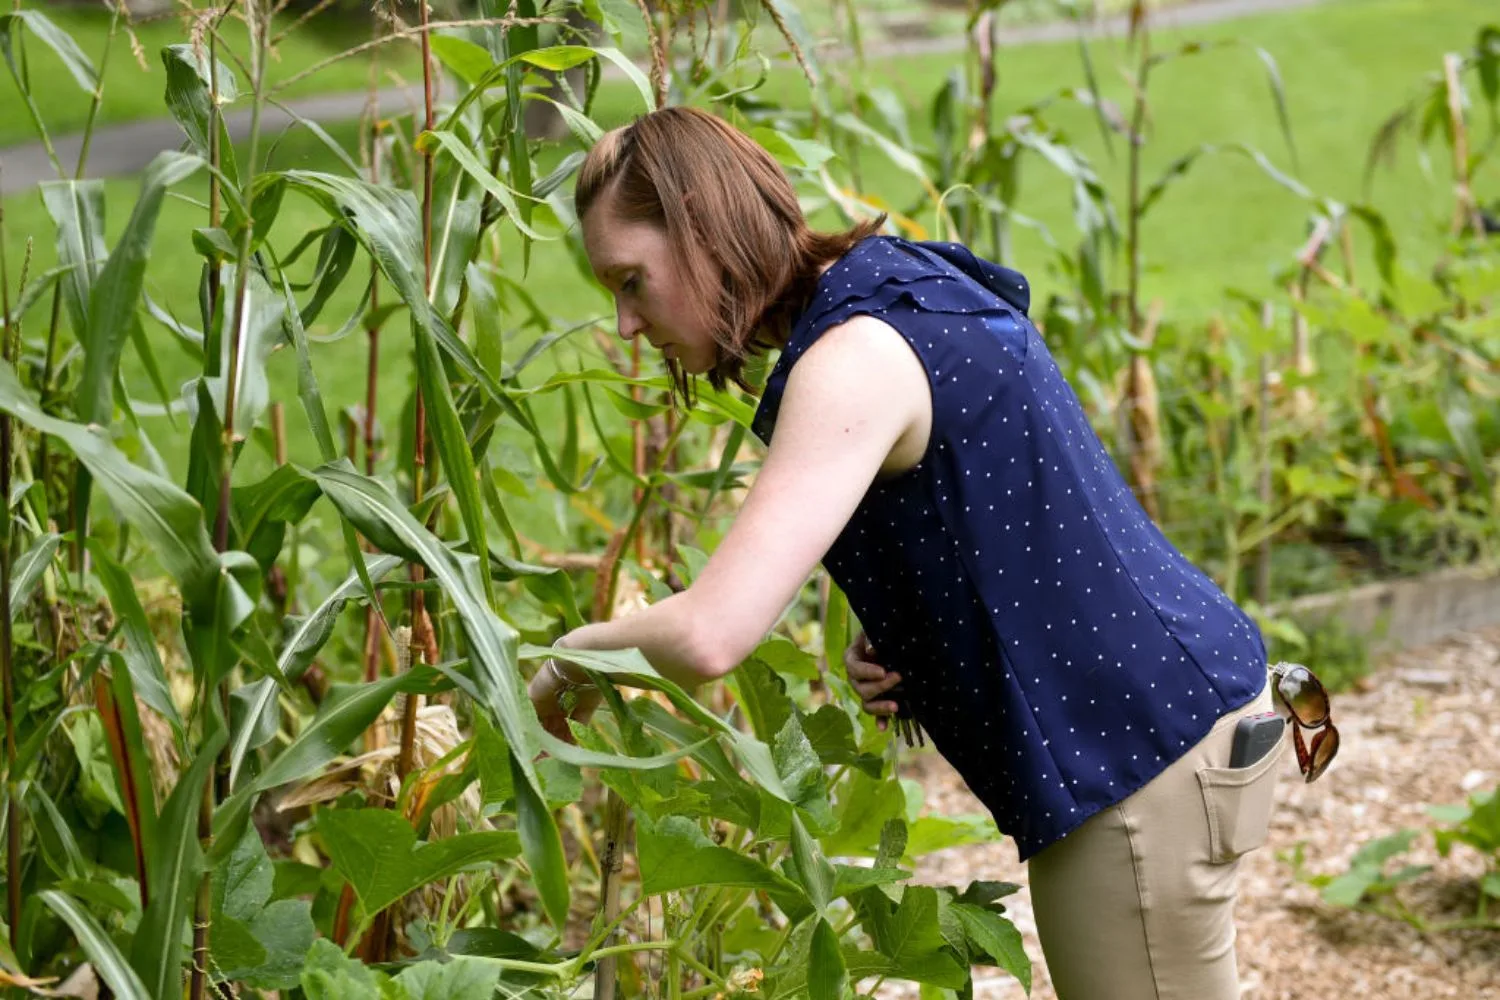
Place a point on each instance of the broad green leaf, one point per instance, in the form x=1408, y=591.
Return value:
x=459, y=978
x=493, y=758
x=173, y=865
x=762, y=697
x=468, y=60
x=675, y=854
x=242, y=881
x=377, y=851
x=232, y=946
x=101, y=951
x=284, y=930
x=937, y=833
x=558, y=57
x=911, y=938
x=331, y=975
x=542, y=844
x=998, y=938
x=826, y=975
x=789, y=151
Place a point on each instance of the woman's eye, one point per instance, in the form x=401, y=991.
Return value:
x=629, y=285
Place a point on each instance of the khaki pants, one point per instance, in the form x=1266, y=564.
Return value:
x=1138, y=902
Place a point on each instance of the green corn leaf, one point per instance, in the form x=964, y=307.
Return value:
x=117, y=290
x=259, y=335
x=491, y=642
x=329, y=142
x=388, y=224
x=55, y=837
x=97, y=945
x=346, y=712
x=173, y=866
x=29, y=568
x=77, y=210
x=492, y=185
x=189, y=97
x=77, y=63
x=468, y=60
x=264, y=509
x=377, y=851
x=542, y=845
x=140, y=652
x=456, y=453
x=317, y=418
x=169, y=519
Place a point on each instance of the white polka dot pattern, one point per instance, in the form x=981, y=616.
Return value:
x=1057, y=647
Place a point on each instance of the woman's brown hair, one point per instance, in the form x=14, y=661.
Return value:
x=730, y=214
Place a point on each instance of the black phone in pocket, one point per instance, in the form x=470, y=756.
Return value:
x=1254, y=737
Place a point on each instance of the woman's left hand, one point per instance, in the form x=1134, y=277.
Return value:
x=552, y=698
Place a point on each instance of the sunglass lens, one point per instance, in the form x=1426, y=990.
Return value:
x=1325, y=746
x=1304, y=695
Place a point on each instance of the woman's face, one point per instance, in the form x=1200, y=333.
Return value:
x=635, y=262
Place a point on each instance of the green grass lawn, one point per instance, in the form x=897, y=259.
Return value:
x=1346, y=65
x=133, y=89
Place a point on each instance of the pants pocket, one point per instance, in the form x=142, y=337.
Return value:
x=1238, y=803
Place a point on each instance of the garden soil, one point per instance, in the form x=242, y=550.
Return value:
x=1424, y=728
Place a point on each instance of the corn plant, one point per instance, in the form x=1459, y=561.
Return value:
x=261, y=854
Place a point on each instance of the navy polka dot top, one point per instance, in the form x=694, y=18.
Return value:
x=1056, y=647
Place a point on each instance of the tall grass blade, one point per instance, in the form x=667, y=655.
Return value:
x=307, y=637
x=455, y=451
x=167, y=518
x=77, y=209
x=28, y=570
x=344, y=715
x=117, y=291
x=174, y=866
x=141, y=658
x=97, y=945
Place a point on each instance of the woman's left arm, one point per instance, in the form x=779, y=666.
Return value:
x=849, y=400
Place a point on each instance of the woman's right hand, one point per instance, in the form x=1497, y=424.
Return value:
x=871, y=680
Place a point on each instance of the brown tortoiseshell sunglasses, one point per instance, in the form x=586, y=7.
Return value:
x=1303, y=697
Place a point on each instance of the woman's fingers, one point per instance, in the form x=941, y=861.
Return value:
x=870, y=680
x=881, y=708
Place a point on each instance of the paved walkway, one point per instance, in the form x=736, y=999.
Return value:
x=126, y=148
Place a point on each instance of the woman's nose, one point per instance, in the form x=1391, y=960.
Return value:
x=629, y=323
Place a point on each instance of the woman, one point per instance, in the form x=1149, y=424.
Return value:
x=1079, y=673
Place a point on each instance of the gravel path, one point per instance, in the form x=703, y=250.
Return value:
x=126, y=148
x=1424, y=729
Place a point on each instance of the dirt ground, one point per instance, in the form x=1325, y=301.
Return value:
x=1424, y=728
